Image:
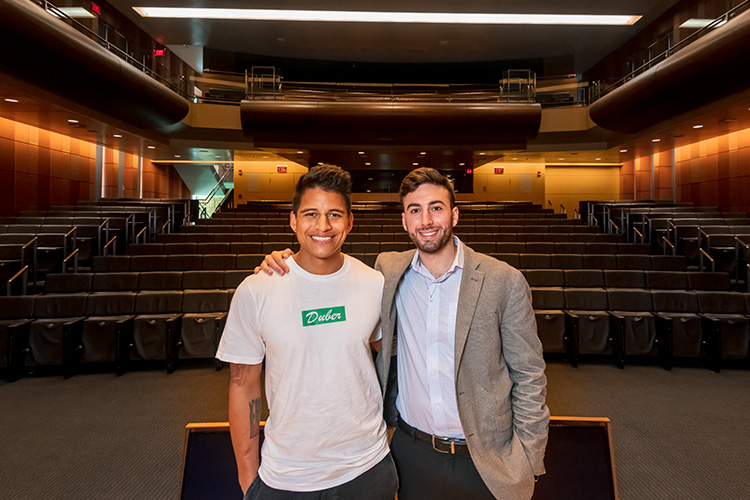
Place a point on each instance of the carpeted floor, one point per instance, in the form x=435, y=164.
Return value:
x=677, y=435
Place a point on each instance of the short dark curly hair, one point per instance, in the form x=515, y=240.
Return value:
x=425, y=175
x=328, y=178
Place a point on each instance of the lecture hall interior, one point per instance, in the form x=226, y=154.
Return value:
x=149, y=153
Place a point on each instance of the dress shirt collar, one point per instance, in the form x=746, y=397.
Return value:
x=458, y=263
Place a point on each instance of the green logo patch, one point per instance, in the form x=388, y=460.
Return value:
x=322, y=316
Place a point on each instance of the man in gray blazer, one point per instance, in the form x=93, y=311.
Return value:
x=469, y=385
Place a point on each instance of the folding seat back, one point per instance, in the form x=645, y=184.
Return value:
x=584, y=278
x=548, y=303
x=156, y=327
x=171, y=238
x=632, y=323
x=281, y=237
x=395, y=246
x=68, y=282
x=103, y=332
x=666, y=280
x=219, y=262
x=57, y=316
x=213, y=248
x=635, y=262
x=179, y=248
x=159, y=280
x=668, y=263
x=203, y=279
x=588, y=321
x=527, y=237
x=204, y=313
x=105, y=282
x=226, y=238
x=16, y=312
x=601, y=247
x=246, y=247
x=566, y=261
x=365, y=247
x=716, y=281
x=726, y=326
x=599, y=261
x=483, y=246
x=185, y=262
x=148, y=262
x=545, y=277
x=274, y=228
x=232, y=279
x=616, y=278
x=570, y=247
x=678, y=327
x=472, y=237
x=510, y=247
x=633, y=248
x=534, y=261
x=146, y=249
x=540, y=247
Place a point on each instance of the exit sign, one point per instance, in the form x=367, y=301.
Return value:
x=281, y=169
x=159, y=52
x=95, y=9
x=499, y=170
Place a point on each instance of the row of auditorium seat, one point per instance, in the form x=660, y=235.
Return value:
x=640, y=323
x=127, y=281
x=615, y=278
x=394, y=228
x=239, y=247
x=395, y=221
x=109, y=330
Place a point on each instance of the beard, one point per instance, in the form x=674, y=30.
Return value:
x=444, y=236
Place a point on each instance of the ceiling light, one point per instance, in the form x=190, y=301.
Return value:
x=415, y=164
x=383, y=17
x=151, y=147
x=597, y=159
x=423, y=153
x=561, y=159
x=702, y=23
x=76, y=12
x=117, y=136
x=623, y=151
x=482, y=154
x=11, y=100
x=72, y=121
x=177, y=156
x=361, y=152
x=368, y=164
x=461, y=164
x=697, y=126
x=655, y=140
x=514, y=159
x=300, y=152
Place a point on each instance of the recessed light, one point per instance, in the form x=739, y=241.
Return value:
x=561, y=159
x=623, y=151
x=217, y=156
x=177, y=156
x=597, y=159
x=461, y=164
x=655, y=140
x=369, y=191
x=482, y=154
x=361, y=152
x=300, y=152
x=72, y=121
x=11, y=100
x=118, y=136
x=415, y=164
x=151, y=147
x=514, y=159
x=370, y=179
x=368, y=163
x=697, y=126
x=423, y=153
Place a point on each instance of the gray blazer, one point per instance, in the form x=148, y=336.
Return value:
x=499, y=369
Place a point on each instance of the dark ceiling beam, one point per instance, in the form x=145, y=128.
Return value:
x=711, y=68
x=46, y=53
x=385, y=124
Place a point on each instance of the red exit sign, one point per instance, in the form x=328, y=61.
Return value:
x=499, y=170
x=160, y=52
x=96, y=9
x=281, y=169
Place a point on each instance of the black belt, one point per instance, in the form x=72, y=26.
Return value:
x=452, y=446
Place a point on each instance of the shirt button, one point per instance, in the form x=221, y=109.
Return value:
x=433, y=374
x=432, y=313
x=437, y=407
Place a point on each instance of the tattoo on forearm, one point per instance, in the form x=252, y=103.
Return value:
x=254, y=417
x=236, y=373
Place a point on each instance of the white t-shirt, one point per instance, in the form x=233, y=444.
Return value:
x=326, y=410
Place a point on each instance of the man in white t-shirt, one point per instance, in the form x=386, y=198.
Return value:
x=325, y=436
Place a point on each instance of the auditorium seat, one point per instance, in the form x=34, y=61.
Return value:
x=203, y=279
x=156, y=326
x=16, y=315
x=726, y=326
x=588, y=325
x=540, y=247
x=233, y=278
x=600, y=261
x=584, y=278
x=632, y=323
x=628, y=261
x=544, y=277
x=534, y=261
x=566, y=261
x=178, y=263
x=204, y=313
x=179, y=248
x=218, y=262
x=510, y=258
x=68, y=282
x=617, y=278
x=678, y=327
x=666, y=280
x=56, y=316
x=103, y=335
x=159, y=280
x=113, y=282
x=549, y=303
x=716, y=281
x=149, y=262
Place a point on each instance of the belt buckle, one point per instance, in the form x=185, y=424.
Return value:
x=453, y=447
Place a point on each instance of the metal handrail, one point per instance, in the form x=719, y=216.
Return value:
x=110, y=244
x=53, y=9
x=203, y=212
x=700, y=263
x=638, y=233
x=24, y=271
x=669, y=243
x=73, y=255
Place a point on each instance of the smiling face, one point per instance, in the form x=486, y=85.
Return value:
x=321, y=224
x=429, y=218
